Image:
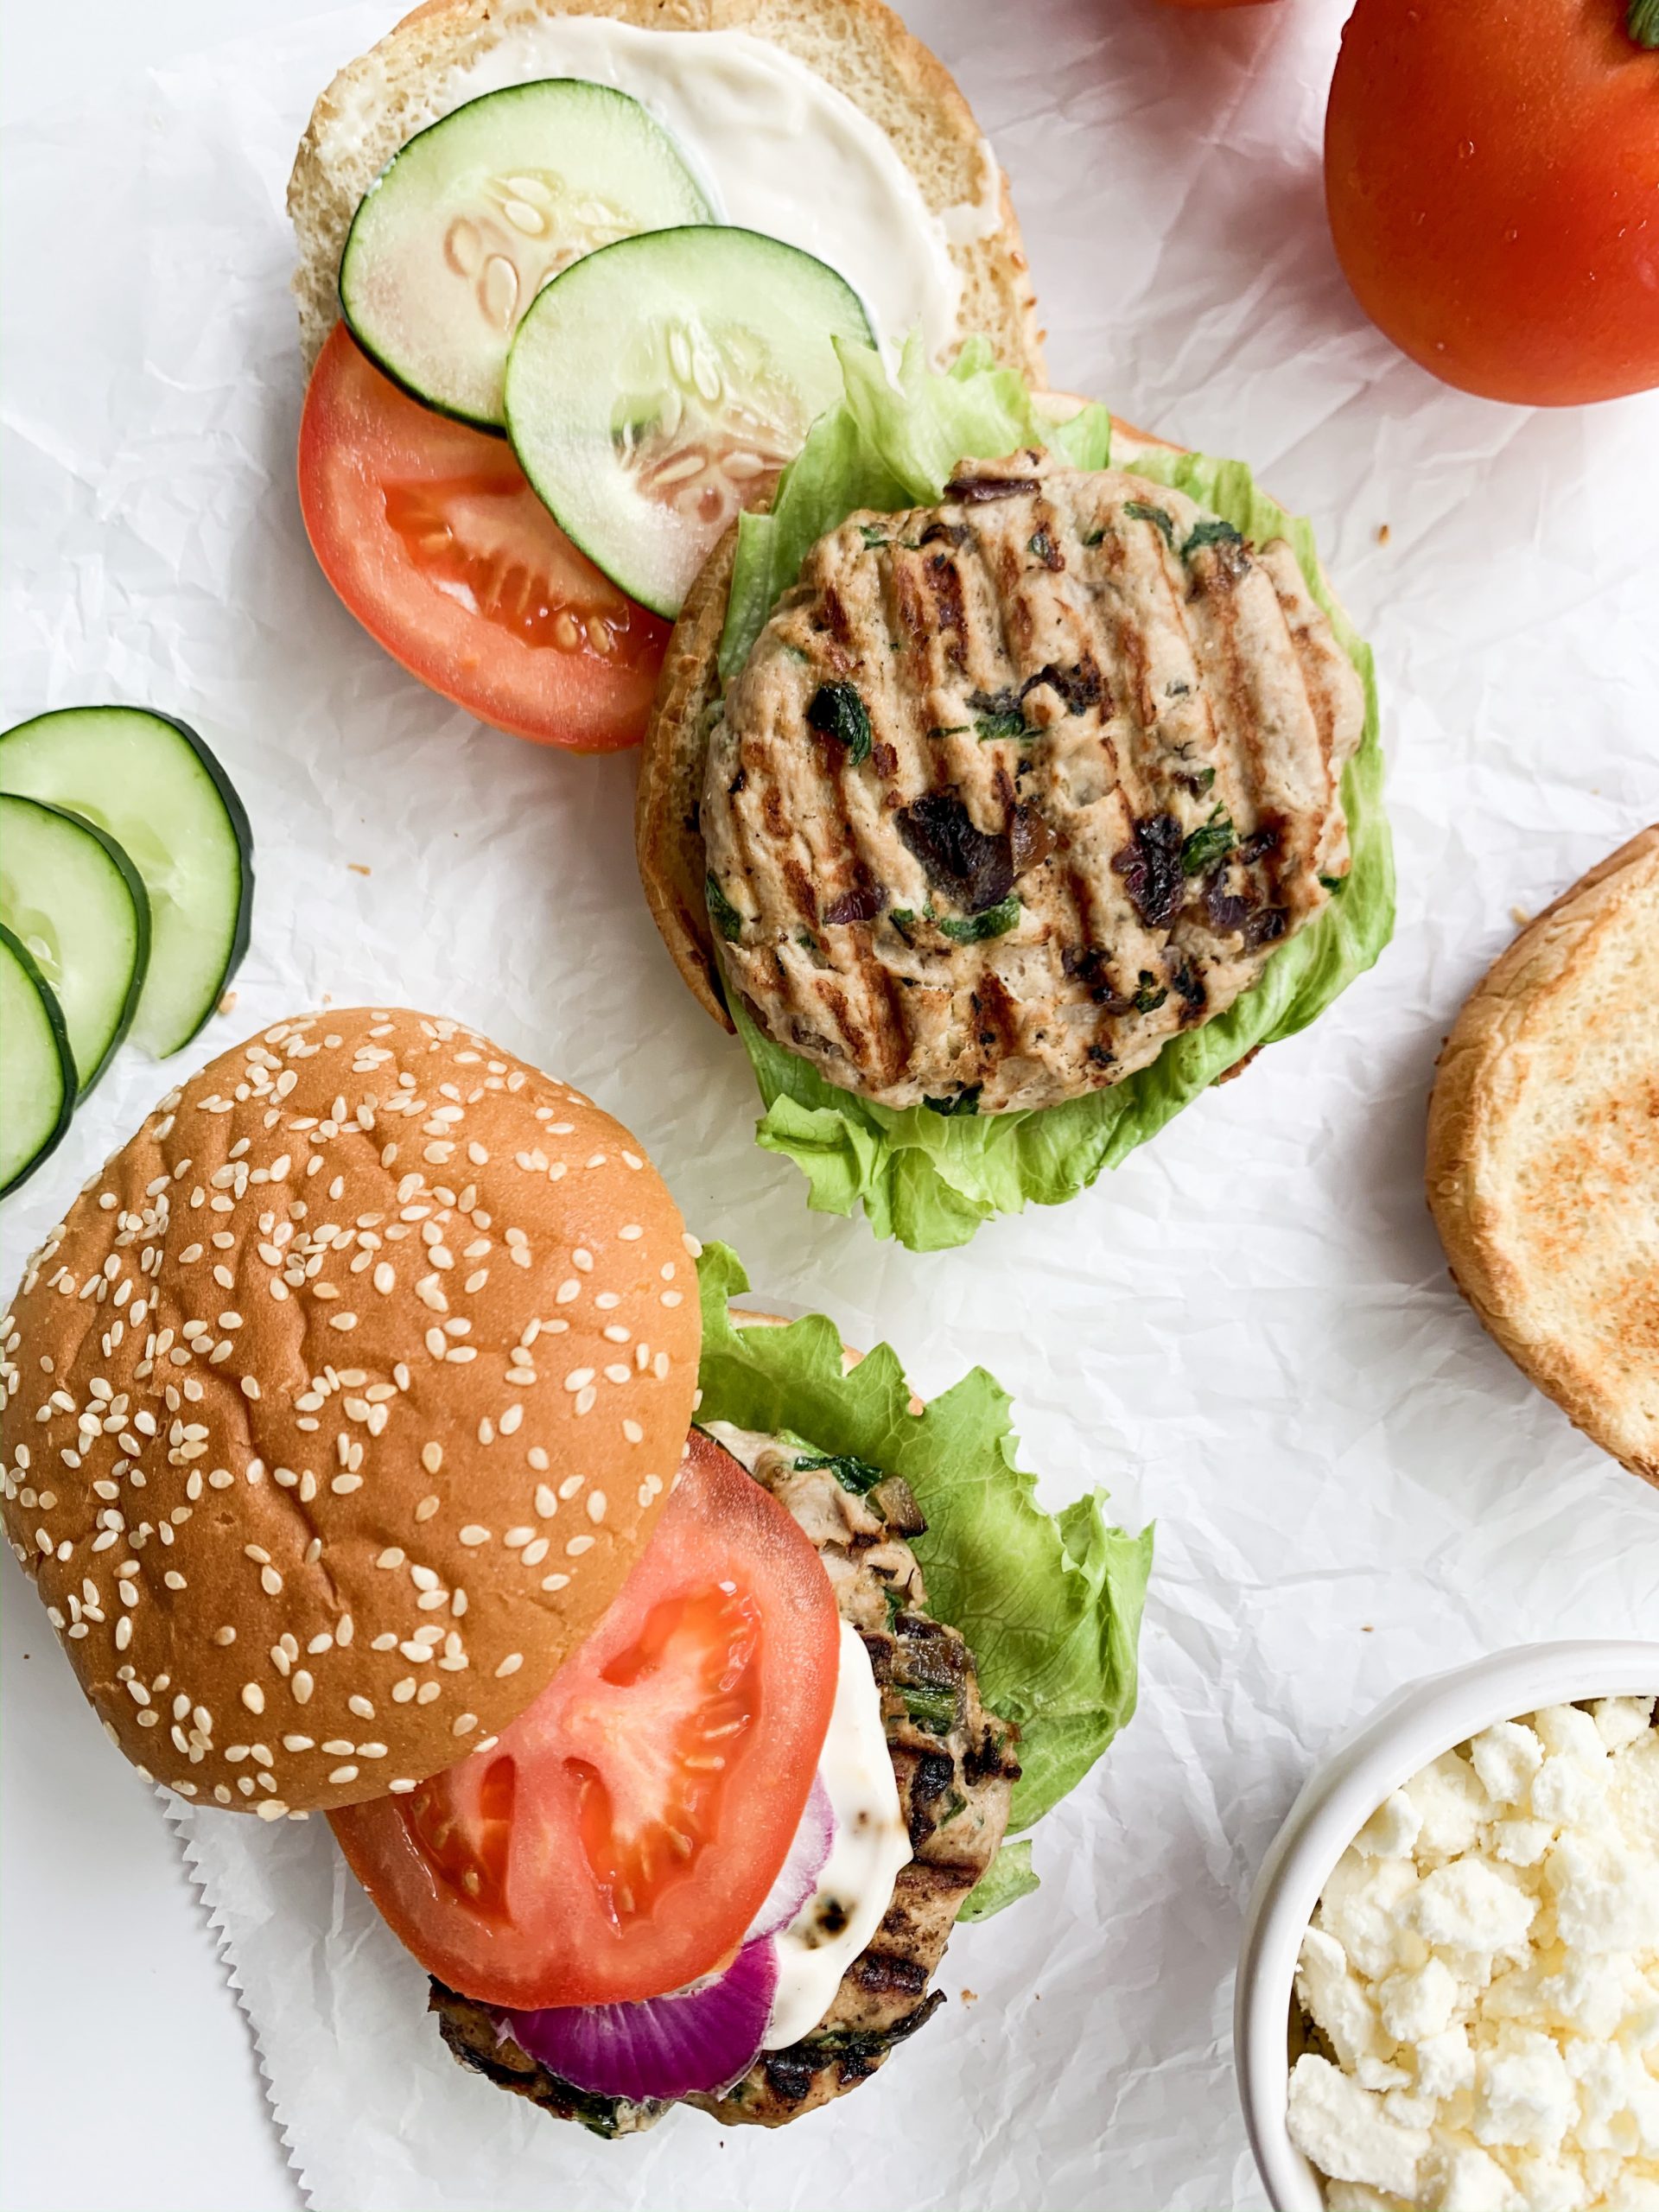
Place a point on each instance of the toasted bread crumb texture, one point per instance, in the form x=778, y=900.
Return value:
x=1543, y=1153
x=376, y=103
x=339, y=1408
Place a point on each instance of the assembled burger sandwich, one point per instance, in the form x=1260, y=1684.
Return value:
x=381, y=1445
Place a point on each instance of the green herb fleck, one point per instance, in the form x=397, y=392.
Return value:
x=837, y=711
x=955, y=1803
x=1203, y=780
x=856, y=1475
x=903, y=920
x=1335, y=885
x=871, y=536
x=1041, y=545
x=895, y=1599
x=1155, y=516
x=966, y=1101
x=796, y=652
x=722, y=913
x=1012, y=724
x=807, y=942
x=1212, y=532
x=1094, y=536
x=1150, y=996
x=1210, y=843
x=950, y=729
x=934, y=1710
x=1643, y=23
x=974, y=928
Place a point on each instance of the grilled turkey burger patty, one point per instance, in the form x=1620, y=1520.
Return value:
x=1013, y=789
x=954, y=1775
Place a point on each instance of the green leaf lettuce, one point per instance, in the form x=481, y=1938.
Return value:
x=1050, y=1603
x=928, y=1179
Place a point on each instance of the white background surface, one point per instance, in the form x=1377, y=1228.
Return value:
x=1247, y=1332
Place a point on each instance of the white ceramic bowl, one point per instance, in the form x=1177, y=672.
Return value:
x=1412, y=1727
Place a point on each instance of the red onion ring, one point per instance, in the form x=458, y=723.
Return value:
x=798, y=1876
x=706, y=2037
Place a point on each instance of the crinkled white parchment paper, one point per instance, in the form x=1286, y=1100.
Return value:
x=1247, y=1332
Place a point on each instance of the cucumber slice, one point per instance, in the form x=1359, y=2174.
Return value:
x=37, y=1070
x=661, y=384
x=154, y=787
x=74, y=900
x=465, y=226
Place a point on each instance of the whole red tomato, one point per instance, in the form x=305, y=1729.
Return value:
x=1491, y=171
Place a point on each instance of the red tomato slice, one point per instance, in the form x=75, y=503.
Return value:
x=619, y=1839
x=428, y=532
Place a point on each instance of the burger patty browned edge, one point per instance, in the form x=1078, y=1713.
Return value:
x=954, y=1763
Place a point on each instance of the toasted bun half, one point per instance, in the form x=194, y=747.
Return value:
x=668, y=842
x=341, y=1405
x=859, y=46
x=1543, y=1153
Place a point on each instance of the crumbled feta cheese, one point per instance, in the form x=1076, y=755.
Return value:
x=1392, y=1829
x=1506, y=1758
x=1470, y=1905
x=1343, y=2129
x=1449, y=1797
x=1419, y=2003
x=1524, y=2092
x=1484, y=1966
x=1461, y=2178
x=1621, y=1721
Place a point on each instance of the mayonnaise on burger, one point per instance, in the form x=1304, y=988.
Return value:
x=775, y=148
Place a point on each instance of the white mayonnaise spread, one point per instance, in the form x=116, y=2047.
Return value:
x=855, y=1886
x=774, y=146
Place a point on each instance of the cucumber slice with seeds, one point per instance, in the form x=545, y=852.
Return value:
x=73, y=899
x=151, y=784
x=662, y=384
x=37, y=1070
x=477, y=212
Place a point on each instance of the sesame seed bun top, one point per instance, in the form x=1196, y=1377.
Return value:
x=339, y=1408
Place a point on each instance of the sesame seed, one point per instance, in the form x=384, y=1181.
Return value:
x=426, y=1509
x=432, y=1457
x=577, y=1546
x=632, y=1430
x=401, y=1788
x=630, y=1232
x=671, y=1298
x=619, y=1373
x=383, y=1279
x=428, y=1693
x=510, y=1665
x=586, y=1399
x=391, y=1557
x=536, y=1551
x=582, y=1260
x=463, y=1724
x=343, y=1774
x=270, y=1581
x=546, y=1503
x=299, y=1744
x=555, y=1581
x=472, y=1534
x=301, y=1687
x=252, y=1696
x=566, y=1290
x=510, y=1420
x=596, y=1504
x=578, y=1378
x=360, y=1706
